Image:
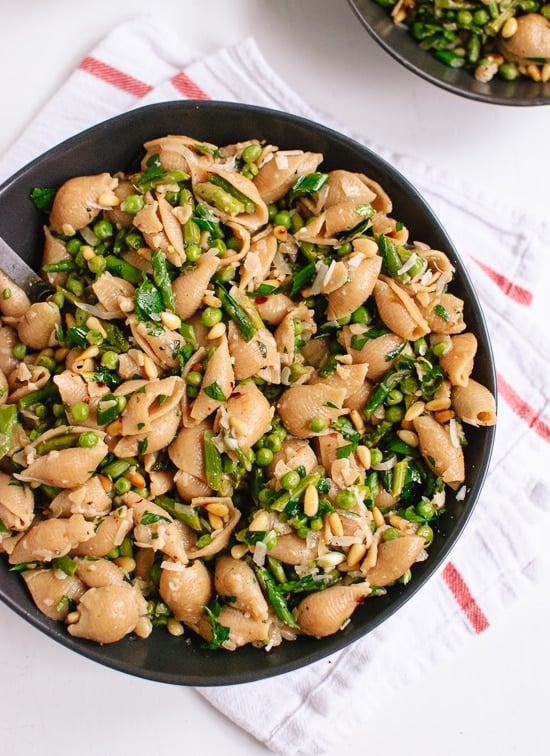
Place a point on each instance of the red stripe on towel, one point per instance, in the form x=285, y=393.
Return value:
x=457, y=585
x=115, y=77
x=188, y=88
x=522, y=409
x=517, y=293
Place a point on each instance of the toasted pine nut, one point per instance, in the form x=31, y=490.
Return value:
x=108, y=199
x=87, y=251
x=95, y=324
x=174, y=626
x=217, y=508
x=260, y=521
x=356, y=553
x=60, y=354
x=215, y=521
x=336, y=524
x=443, y=416
x=545, y=73
x=363, y=456
x=106, y=483
x=89, y=353
x=239, y=550
x=408, y=437
x=216, y=331
x=170, y=320
x=72, y=617
x=311, y=501
x=371, y=557
x=357, y=420
x=280, y=233
x=114, y=428
x=399, y=522
x=415, y=410
x=135, y=478
x=126, y=563
x=534, y=72
x=238, y=426
x=509, y=29
x=378, y=517
x=149, y=368
x=68, y=230
x=441, y=403
x=126, y=304
x=211, y=300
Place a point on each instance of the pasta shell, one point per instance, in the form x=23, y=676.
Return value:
x=325, y=612
x=110, y=290
x=154, y=528
x=394, y=558
x=108, y=614
x=160, y=344
x=108, y=533
x=362, y=275
x=17, y=303
x=38, y=326
x=95, y=573
x=257, y=357
x=190, y=286
x=51, y=538
x=458, y=361
x=242, y=630
x=8, y=339
x=291, y=549
x=249, y=414
x=276, y=176
x=474, y=404
x=347, y=186
x=16, y=503
x=250, y=220
x=219, y=371
x=90, y=500
x=64, y=468
x=55, y=251
x=219, y=538
x=52, y=591
x=375, y=352
x=445, y=314
x=399, y=312
x=79, y=201
x=186, y=590
x=440, y=453
x=273, y=308
x=294, y=453
x=235, y=580
x=298, y=405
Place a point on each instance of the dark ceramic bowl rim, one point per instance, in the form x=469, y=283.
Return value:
x=397, y=41
x=113, y=145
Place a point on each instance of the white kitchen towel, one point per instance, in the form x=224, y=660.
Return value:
x=310, y=710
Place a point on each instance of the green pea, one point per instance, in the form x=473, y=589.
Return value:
x=94, y=337
x=508, y=71
x=193, y=378
x=545, y=11
x=109, y=360
x=19, y=350
x=296, y=222
x=211, y=316
x=426, y=532
x=394, y=397
x=251, y=153
x=88, y=440
x=233, y=244
x=250, y=170
x=132, y=204
x=317, y=424
x=464, y=18
x=480, y=17
x=394, y=413
x=58, y=410
x=409, y=385
x=425, y=509
x=75, y=286
x=45, y=360
x=376, y=456
x=192, y=392
x=273, y=442
x=290, y=480
x=345, y=499
x=80, y=412
x=103, y=229
x=264, y=457
x=41, y=411
x=272, y=211
x=344, y=249
x=122, y=485
x=316, y=523
x=134, y=240
x=193, y=252
x=226, y=274
x=283, y=219
x=97, y=264
x=220, y=246
x=73, y=245
x=390, y=534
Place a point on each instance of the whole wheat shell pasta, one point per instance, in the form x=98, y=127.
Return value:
x=474, y=403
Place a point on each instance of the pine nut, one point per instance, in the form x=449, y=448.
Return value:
x=363, y=456
x=443, y=416
x=510, y=28
x=378, y=517
x=357, y=420
x=399, y=522
x=126, y=304
x=170, y=320
x=336, y=524
x=89, y=353
x=260, y=522
x=108, y=199
x=371, y=557
x=216, y=331
x=545, y=73
x=408, y=437
x=174, y=627
x=238, y=426
x=126, y=563
x=415, y=410
x=217, y=508
x=149, y=368
x=87, y=252
x=106, y=483
x=311, y=501
x=280, y=233
x=356, y=553
x=95, y=324
x=211, y=300
x=215, y=521
x=534, y=72
x=239, y=550
x=135, y=478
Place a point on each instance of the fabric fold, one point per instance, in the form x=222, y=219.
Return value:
x=504, y=248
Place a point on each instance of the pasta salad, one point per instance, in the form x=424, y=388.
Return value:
x=240, y=410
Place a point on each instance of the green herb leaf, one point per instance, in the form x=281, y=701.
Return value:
x=42, y=197
x=148, y=301
x=151, y=518
x=214, y=392
x=442, y=312
x=220, y=633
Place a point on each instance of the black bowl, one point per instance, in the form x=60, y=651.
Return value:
x=114, y=145
x=400, y=44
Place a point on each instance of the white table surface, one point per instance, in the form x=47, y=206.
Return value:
x=492, y=695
